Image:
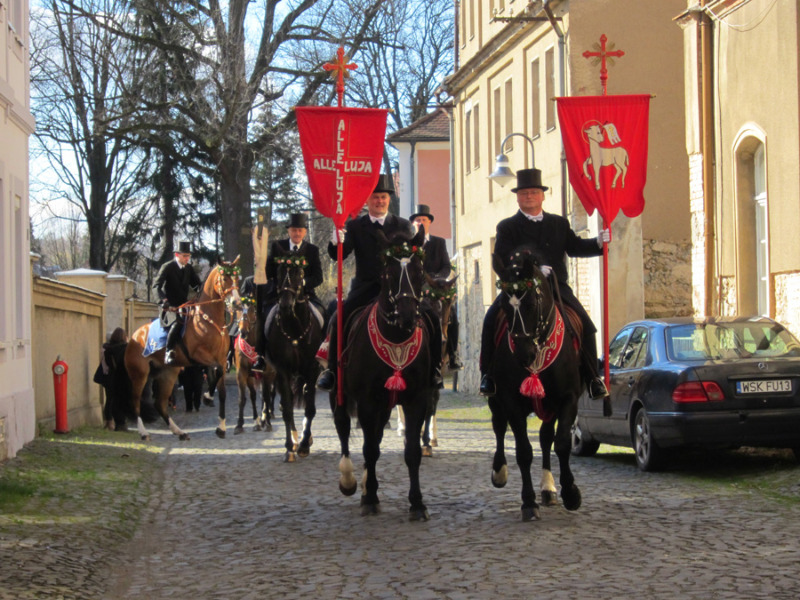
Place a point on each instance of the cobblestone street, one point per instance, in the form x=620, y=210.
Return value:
x=229, y=519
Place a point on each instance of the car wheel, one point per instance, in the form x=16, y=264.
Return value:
x=648, y=454
x=581, y=446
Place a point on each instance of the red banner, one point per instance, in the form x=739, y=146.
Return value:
x=342, y=152
x=605, y=140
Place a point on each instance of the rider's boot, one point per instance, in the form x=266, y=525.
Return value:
x=326, y=380
x=173, y=336
x=487, y=385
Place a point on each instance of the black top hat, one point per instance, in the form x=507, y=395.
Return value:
x=184, y=247
x=423, y=210
x=529, y=178
x=385, y=185
x=298, y=220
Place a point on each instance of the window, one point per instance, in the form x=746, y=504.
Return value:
x=616, y=347
x=635, y=354
x=476, y=136
x=509, y=113
x=550, y=88
x=472, y=18
x=16, y=17
x=534, y=100
x=497, y=120
x=762, y=241
x=467, y=138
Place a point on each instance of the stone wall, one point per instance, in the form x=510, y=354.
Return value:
x=667, y=278
x=787, y=300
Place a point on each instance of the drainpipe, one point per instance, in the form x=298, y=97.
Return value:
x=562, y=90
x=707, y=132
x=411, y=167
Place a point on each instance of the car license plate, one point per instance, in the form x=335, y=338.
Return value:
x=764, y=386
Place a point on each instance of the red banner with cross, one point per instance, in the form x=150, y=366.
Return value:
x=605, y=141
x=342, y=151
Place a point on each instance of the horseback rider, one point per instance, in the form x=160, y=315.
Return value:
x=552, y=237
x=359, y=237
x=296, y=242
x=175, y=279
x=437, y=265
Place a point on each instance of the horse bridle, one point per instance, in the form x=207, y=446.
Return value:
x=299, y=298
x=391, y=316
x=543, y=325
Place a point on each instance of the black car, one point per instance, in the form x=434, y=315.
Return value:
x=713, y=382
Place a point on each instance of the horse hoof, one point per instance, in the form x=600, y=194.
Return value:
x=146, y=438
x=435, y=443
x=303, y=452
x=184, y=437
x=239, y=429
x=348, y=490
x=418, y=514
x=257, y=427
x=268, y=427
x=427, y=451
x=500, y=478
x=369, y=509
x=220, y=433
x=549, y=498
x=530, y=513
x=289, y=457
x=572, y=498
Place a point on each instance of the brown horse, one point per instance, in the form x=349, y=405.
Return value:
x=205, y=340
x=246, y=378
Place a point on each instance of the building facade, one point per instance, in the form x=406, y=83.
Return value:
x=17, y=411
x=514, y=58
x=743, y=144
x=424, y=174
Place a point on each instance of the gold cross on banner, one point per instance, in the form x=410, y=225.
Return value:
x=340, y=67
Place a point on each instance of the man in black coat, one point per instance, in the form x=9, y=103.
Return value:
x=553, y=238
x=437, y=264
x=296, y=242
x=359, y=237
x=174, y=281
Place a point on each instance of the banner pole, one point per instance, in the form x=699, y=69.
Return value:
x=607, y=374
x=339, y=324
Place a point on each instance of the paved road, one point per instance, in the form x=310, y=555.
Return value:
x=231, y=520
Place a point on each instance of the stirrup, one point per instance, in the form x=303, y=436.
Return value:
x=597, y=389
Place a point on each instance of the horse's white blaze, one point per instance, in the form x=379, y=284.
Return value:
x=222, y=424
x=140, y=427
x=548, y=483
x=174, y=428
x=347, y=479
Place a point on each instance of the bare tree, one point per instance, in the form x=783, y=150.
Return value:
x=76, y=79
x=408, y=54
x=224, y=68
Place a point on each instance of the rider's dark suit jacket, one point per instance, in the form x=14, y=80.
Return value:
x=553, y=238
x=313, y=274
x=360, y=237
x=437, y=260
x=173, y=282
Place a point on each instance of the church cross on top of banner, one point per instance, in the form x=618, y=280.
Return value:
x=602, y=54
x=340, y=67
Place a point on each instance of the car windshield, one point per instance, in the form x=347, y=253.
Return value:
x=742, y=339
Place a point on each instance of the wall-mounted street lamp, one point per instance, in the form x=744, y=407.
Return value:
x=502, y=174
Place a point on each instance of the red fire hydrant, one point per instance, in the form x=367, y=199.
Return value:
x=60, y=369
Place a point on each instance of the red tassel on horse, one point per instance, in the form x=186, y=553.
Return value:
x=395, y=383
x=532, y=387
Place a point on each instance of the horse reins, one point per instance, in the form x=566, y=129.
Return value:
x=394, y=298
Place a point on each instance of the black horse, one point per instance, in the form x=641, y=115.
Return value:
x=536, y=367
x=294, y=334
x=386, y=361
x=439, y=295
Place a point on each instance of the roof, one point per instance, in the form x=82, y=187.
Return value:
x=433, y=127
